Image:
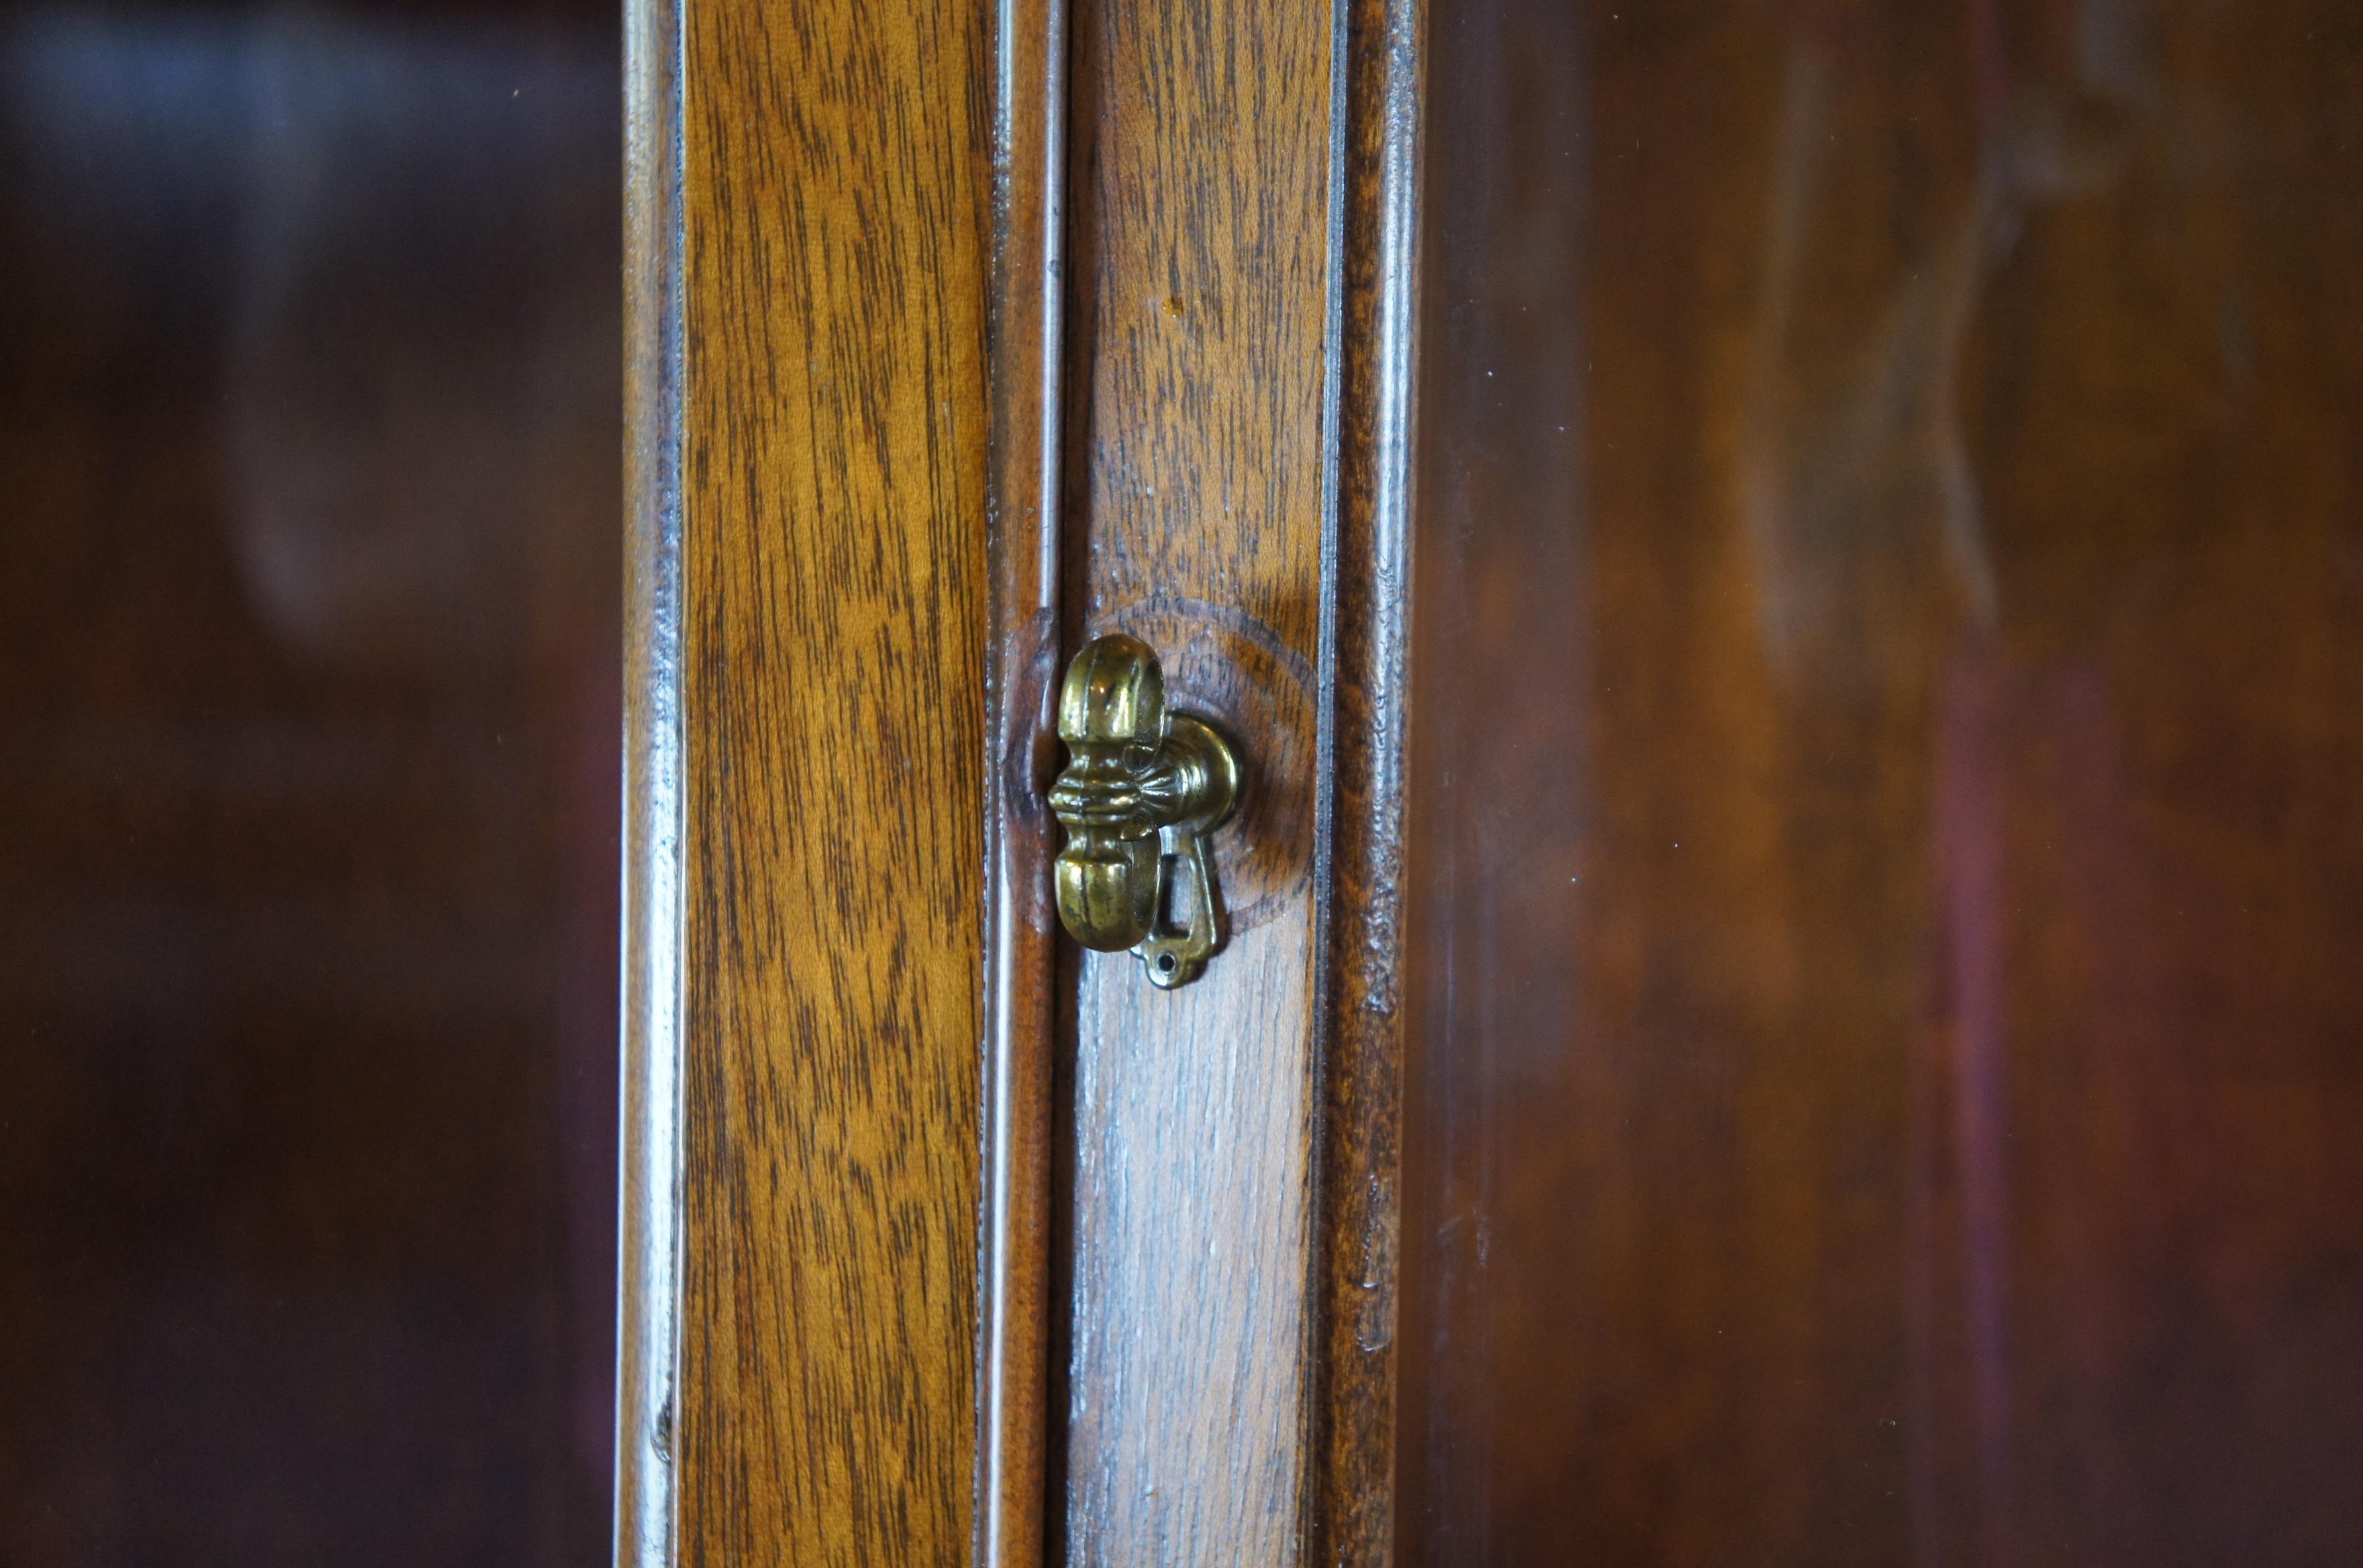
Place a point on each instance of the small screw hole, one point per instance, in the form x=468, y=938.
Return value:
x=1165, y=962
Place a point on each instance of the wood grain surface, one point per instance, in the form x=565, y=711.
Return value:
x=833, y=485
x=1202, y=268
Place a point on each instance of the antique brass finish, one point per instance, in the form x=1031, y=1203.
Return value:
x=1143, y=790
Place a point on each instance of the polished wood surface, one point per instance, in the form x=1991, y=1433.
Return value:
x=1884, y=816
x=1200, y=212
x=1352, y=1447
x=832, y=611
x=307, y=822
x=647, y=1295
x=1026, y=342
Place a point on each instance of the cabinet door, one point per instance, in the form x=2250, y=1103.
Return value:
x=1885, y=822
x=1782, y=581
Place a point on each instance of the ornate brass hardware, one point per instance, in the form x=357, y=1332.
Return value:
x=1143, y=790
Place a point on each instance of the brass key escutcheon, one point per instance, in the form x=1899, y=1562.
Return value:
x=1141, y=791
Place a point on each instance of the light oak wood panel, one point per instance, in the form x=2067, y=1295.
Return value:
x=832, y=612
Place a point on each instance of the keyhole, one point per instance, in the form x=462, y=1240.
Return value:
x=1165, y=962
x=1178, y=893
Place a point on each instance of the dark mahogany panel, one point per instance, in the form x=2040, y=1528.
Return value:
x=309, y=516
x=1886, y=1042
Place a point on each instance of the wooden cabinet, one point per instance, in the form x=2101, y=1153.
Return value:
x=1786, y=580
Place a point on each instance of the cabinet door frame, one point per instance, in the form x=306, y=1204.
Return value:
x=834, y=1172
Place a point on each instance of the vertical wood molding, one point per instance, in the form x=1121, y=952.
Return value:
x=832, y=432
x=1021, y=672
x=648, y=1340
x=1357, y=1256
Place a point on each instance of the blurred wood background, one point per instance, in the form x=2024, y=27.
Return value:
x=309, y=414
x=1889, y=714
